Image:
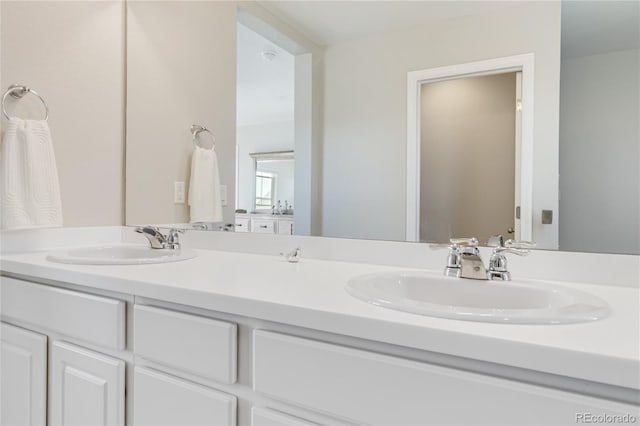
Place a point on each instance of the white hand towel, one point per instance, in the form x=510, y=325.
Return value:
x=204, y=187
x=30, y=190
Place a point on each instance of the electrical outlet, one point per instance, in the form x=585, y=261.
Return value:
x=223, y=195
x=178, y=192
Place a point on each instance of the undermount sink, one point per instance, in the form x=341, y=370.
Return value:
x=514, y=302
x=122, y=254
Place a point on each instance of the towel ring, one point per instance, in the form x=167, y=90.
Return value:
x=17, y=91
x=196, y=129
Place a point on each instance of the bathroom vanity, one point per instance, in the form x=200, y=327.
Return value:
x=234, y=336
x=264, y=223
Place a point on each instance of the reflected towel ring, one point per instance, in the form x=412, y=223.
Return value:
x=196, y=129
x=17, y=91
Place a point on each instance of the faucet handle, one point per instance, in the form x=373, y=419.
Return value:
x=173, y=237
x=464, y=242
x=521, y=248
x=147, y=228
x=523, y=245
x=498, y=262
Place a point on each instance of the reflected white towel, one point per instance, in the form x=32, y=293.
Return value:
x=30, y=190
x=204, y=186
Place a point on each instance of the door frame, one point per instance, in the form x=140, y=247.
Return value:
x=415, y=79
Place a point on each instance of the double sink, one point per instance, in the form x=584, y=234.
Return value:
x=513, y=302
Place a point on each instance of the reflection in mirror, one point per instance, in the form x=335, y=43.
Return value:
x=330, y=81
x=273, y=182
x=467, y=149
x=599, y=129
x=265, y=131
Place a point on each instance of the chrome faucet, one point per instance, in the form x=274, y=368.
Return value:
x=464, y=259
x=158, y=240
x=293, y=256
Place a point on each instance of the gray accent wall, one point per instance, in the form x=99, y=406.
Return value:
x=600, y=153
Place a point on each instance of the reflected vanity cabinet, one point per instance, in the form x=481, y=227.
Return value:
x=66, y=359
x=264, y=224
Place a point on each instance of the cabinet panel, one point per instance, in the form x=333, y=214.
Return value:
x=242, y=225
x=160, y=399
x=285, y=227
x=59, y=310
x=266, y=417
x=263, y=226
x=23, y=376
x=87, y=388
x=372, y=388
x=191, y=343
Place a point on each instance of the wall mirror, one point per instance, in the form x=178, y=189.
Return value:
x=410, y=121
x=273, y=189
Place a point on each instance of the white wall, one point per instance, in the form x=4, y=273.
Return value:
x=267, y=137
x=181, y=70
x=600, y=152
x=72, y=53
x=365, y=113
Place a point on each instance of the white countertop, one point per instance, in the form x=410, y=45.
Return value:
x=311, y=294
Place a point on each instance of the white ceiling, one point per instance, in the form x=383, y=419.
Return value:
x=265, y=88
x=331, y=22
x=592, y=27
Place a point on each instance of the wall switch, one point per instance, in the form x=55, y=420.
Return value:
x=223, y=195
x=178, y=192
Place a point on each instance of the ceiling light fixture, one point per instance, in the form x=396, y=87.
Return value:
x=269, y=55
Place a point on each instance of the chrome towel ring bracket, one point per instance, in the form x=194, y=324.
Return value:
x=196, y=130
x=18, y=91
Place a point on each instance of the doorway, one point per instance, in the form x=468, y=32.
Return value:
x=468, y=141
x=466, y=171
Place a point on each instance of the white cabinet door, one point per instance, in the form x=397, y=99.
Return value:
x=160, y=399
x=87, y=388
x=23, y=376
x=285, y=227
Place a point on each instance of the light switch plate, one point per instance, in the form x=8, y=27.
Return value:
x=178, y=192
x=223, y=195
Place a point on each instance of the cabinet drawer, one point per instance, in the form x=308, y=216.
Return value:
x=266, y=417
x=242, y=225
x=90, y=318
x=285, y=227
x=367, y=387
x=160, y=399
x=190, y=343
x=263, y=226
